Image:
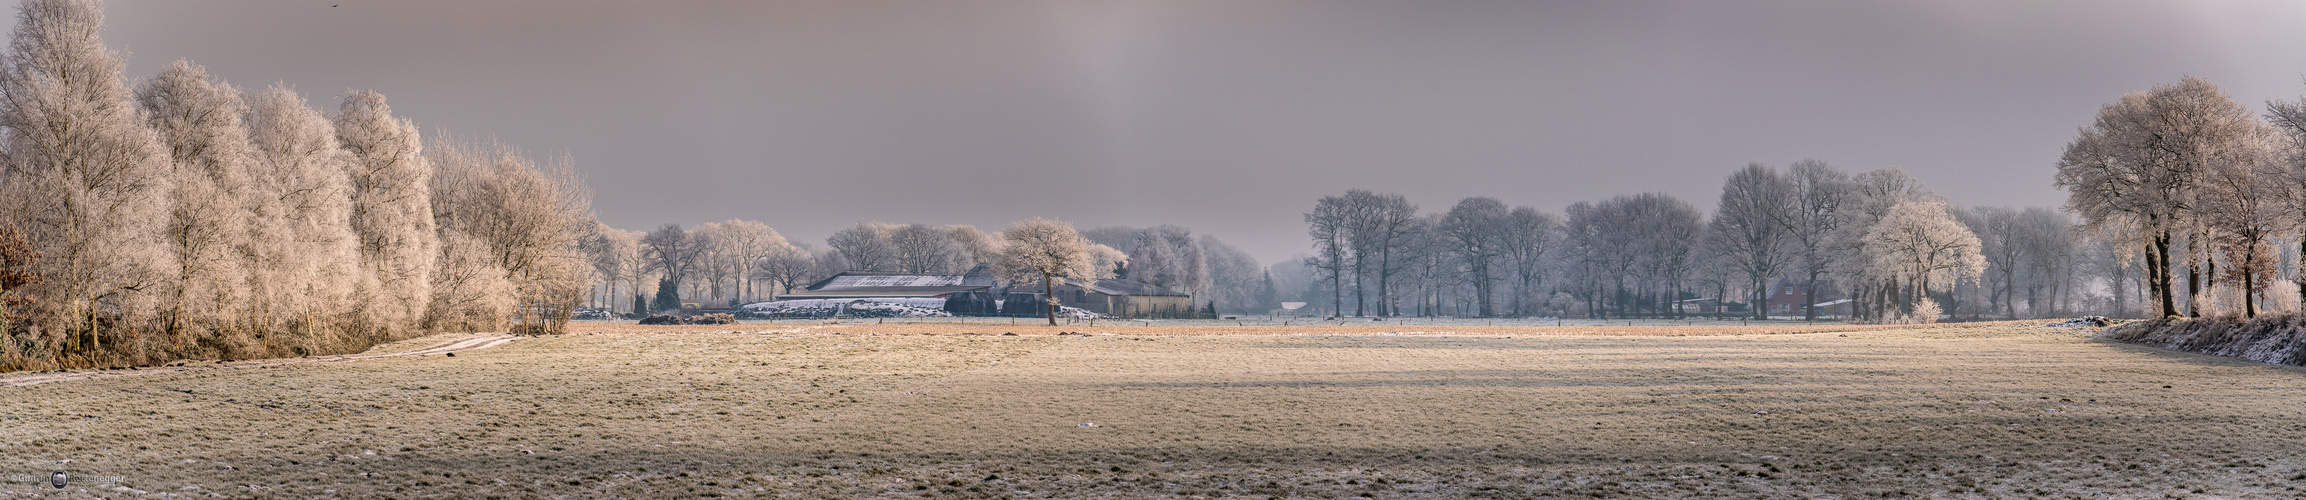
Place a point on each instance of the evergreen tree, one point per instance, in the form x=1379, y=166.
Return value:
x=1268, y=297
x=668, y=296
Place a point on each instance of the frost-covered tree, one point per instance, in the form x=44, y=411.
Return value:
x=2137, y=169
x=391, y=208
x=615, y=255
x=2240, y=206
x=1922, y=250
x=2288, y=120
x=1872, y=196
x=1167, y=256
x=306, y=264
x=1234, y=276
x=86, y=182
x=971, y=248
x=1044, y=250
x=209, y=210
x=531, y=221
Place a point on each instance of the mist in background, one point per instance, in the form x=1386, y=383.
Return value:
x=1230, y=118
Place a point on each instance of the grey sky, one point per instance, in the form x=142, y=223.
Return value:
x=1227, y=117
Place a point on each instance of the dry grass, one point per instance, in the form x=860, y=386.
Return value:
x=804, y=412
x=1032, y=326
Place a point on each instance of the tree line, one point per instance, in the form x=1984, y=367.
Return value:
x=731, y=263
x=182, y=217
x=2177, y=179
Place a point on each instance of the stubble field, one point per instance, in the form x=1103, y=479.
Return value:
x=813, y=410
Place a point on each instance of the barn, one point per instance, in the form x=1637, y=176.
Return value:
x=1124, y=298
x=967, y=294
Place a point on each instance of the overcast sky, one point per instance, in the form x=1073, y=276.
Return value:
x=1228, y=117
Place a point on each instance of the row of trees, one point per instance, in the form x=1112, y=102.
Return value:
x=1898, y=251
x=736, y=262
x=2198, y=184
x=182, y=217
x=2180, y=181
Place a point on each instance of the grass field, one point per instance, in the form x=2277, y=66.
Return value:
x=1387, y=411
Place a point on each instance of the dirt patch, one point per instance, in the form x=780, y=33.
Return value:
x=1957, y=412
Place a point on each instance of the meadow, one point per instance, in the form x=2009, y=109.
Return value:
x=964, y=410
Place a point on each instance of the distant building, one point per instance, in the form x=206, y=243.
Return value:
x=971, y=292
x=1121, y=297
x=1789, y=297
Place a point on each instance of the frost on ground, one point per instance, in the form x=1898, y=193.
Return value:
x=794, y=410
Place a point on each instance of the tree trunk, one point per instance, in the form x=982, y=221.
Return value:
x=2159, y=265
x=1049, y=292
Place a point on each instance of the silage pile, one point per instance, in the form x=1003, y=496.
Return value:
x=853, y=308
x=2276, y=339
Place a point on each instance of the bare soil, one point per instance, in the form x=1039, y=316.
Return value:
x=816, y=410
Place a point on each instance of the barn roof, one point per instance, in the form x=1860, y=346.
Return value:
x=880, y=291
x=859, y=279
x=1122, y=287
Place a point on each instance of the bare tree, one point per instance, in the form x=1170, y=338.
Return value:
x=1473, y=229
x=1999, y=241
x=1044, y=250
x=1330, y=226
x=1819, y=192
x=672, y=253
x=1386, y=221
x=866, y=246
x=1527, y=237
x=1749, y=228
x=788, y=267
x=921, y=249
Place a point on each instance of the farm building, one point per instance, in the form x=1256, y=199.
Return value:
x=965, y=294
x=1788, y=297
x=1123, y=298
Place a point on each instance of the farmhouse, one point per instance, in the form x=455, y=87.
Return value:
x=1789, y=297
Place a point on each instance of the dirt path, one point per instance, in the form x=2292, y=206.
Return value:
x=468, y=342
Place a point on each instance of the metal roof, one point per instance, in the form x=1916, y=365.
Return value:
x=880, y=291
x=854, y=279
